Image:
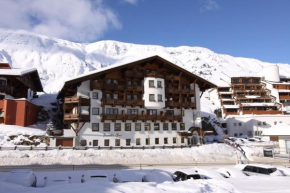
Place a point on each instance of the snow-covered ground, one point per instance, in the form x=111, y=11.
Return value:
x=212, y=153
x=161, y=183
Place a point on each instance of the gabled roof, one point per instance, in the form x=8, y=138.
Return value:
x=32, y=72
x=203, y=84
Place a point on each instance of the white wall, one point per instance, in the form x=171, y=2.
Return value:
x=156, y=91
x=250, y=123
x=214, y=97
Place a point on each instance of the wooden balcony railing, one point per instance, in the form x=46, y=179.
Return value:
x=122, y=102
x=76, y=117
x=134, y=118
x=261, y=112
x=132, y=74
x=231, y=113
x=6, y=89
x=138, y=88
x=76, y=100
x=173, y=104
x=284, y=97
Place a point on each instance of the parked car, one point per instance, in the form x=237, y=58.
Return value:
x=123, y=176
x=94, y=175
x=157, y=176
x=55, y=180
x=262, y=170
x=22, y=177
x=196, y=175
x=231, y=173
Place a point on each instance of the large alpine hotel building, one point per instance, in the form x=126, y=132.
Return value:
x=149, y=102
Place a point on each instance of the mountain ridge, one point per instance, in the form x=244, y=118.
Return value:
x=58, y=60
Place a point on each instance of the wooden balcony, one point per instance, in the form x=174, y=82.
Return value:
x=231, y=113
x=134, y=103
x=138, y=88
x=121, y=102
x=101, y=86
x=69, y=118
x=134, y=118
x=132, y=74
x=172, y=77
x=261, y=112
x=76, y=100
x=284, y=97
x=6, y=89
x=173, y=104
x=154, y=74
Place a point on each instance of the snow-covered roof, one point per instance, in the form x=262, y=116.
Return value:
x=16, y=72
x=228, y=99
x=231, y=106
x=283, y=90
x=258, y=104
x=277, y=130
x=226, y=92
x=252, y=96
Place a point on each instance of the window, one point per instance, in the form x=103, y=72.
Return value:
x=159, y=98
x=151, y=97
x=235, y=124
x=165, y=126
x=107, y=142
x=182, y=126
x=95, y=126
x=151, y=112
x=132, y=111
x=135, y=97
x=128, y=127
x=159, y=84
x=117, y=126
x=174, y=140
x=241, y=134
x=236, y=135
x=3, y=82
x=169, y=112
x=112, y=111
x=83, y=142
x=259, y=123
x=147, y=127
x=115, y=81
x=137, y=126
x=147, y=141
x=165, y=140
x=156, y=141
x=240, y=124
x=116, y=96
x=135, y=83
x=128, y=142
x=264, y=123
x=108, y=96
x=106, y=126
x=129, y=83
x=109, y=81
x=95, y=95
x=138, y=141
x=95, y=111
x=182, y=139
x=95, y=142
x=129, y=97
x=151, y=83
x=117, y=142
x=173, y=126
x=156, y=126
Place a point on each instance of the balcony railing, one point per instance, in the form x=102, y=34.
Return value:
x=261, y=112
x=122, y=102
x=76, y=117
x=152, y=118
x=132, y=74
x=173, y=104
x=6, y=89
x=81, y=100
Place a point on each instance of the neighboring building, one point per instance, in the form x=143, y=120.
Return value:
x=281, y=134
x=251, y=102
x=149, y=102
x=17, y=88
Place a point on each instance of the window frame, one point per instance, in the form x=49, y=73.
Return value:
x=138, y=141
x=174, y=128
x=152, y=97
x=95, y=140
x=96, y=124
x=106, y=140
x=104, y=127
x=182, y=126
x=98, y=111
x=126, y=127
x=167, y=127
x=119, y=142
x=81, y=142
x=156, y=128
x=139, y=125
x=147, y=125
x=150, y=85
x=128, y=140
x=157, y=142
x=115, y=128
x=159, y=98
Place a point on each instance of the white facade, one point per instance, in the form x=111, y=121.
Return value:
x=253, y=125
x=158, y=135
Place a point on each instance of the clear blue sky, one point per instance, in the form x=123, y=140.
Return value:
x=246, y=28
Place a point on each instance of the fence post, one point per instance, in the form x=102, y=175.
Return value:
x=143, y=147
x=30, y=147
x=15, y=147
x=0, y=147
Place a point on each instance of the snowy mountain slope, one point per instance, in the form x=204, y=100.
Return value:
x=58, y=60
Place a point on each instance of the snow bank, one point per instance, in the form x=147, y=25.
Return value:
x=207, y=153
